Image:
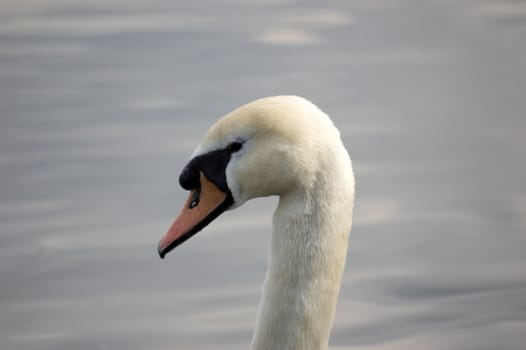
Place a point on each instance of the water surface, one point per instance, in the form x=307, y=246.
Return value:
x=102, y=103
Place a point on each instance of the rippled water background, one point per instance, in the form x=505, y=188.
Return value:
x=103, y=101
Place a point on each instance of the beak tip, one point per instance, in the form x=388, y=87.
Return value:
x=161, y=252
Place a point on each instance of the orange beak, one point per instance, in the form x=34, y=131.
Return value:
x=203, y=205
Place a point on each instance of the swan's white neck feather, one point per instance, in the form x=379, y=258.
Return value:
x=308, y=250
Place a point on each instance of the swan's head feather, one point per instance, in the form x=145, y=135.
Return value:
x=271, y=146
x=283, y=139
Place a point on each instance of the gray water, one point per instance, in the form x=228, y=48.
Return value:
x=103, y=101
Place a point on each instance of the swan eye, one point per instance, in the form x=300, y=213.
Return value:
x=234, y=147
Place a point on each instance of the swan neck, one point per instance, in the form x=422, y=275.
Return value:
x=307, y=257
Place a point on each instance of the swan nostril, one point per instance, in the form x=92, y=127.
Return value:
x=195, y=198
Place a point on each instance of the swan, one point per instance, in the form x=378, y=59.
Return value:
x=284, y=146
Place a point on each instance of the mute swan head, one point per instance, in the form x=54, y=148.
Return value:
x=273, y=146
x=283, y=146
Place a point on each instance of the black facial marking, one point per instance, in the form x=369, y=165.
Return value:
x=213, y=165
x=189, y=178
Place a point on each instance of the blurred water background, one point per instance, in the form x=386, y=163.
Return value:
x=103, y=101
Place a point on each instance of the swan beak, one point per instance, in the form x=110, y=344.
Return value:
x=203, y=205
